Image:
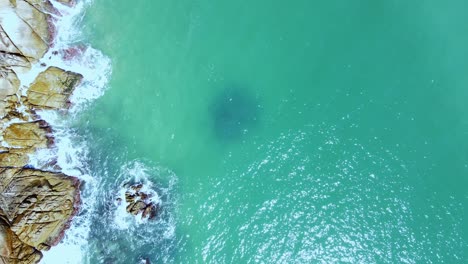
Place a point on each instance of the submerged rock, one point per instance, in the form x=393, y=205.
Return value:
x=234, y=112
x=72, y=52
x=45, y=6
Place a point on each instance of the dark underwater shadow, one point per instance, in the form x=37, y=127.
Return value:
x=234, y=111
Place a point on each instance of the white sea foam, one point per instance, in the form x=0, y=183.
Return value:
x=133, y=173
x=70, y=152
x=131, y=235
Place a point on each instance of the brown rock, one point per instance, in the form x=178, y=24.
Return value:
x=52, y=88
x=136, y=208
x=139, y=202
x=11, y=159
x=38, y=205
x=44, y=6
x=129, y=198
x=37, y=21
x=67, y=2
x=21, y=37
x=13, y=250
x=29, y=135
x=143, y=196
x=150, y=211
x=9, y=110
x=35, y=206
x=9, y=83
x=6, y=45
x=136, y=187
x=23, y=139
x=16, y=62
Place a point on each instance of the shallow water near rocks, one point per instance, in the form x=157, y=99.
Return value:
x=299, y=132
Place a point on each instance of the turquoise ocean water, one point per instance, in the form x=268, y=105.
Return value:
x=283, y=132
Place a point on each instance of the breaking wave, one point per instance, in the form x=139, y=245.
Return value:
x=70, y=151
x=102, y=231
x=116, y=233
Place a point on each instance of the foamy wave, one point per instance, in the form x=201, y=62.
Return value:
x=127, y=233
x=70, y=155
x=70, y=151
x=135, y=173
x=70, y=54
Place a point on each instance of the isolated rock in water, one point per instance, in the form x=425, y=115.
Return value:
x=140, y=202
x=37, y=205
x=52, y=88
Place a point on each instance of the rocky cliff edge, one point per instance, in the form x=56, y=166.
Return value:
x=36, y=206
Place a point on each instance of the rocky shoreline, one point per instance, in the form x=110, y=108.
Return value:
x=36, y=206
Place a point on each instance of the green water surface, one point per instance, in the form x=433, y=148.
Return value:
x=298, y=131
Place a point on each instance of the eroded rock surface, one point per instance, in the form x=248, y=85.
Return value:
x=9, y=83
x=27, y=135
x=36, y=206
x=67, y=2
x=13, y=250
x=24, y=30
x=22, y=139
x=52, y=88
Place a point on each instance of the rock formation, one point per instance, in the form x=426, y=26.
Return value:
x=140, y=202
x=36, y=206
x=52, y=88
